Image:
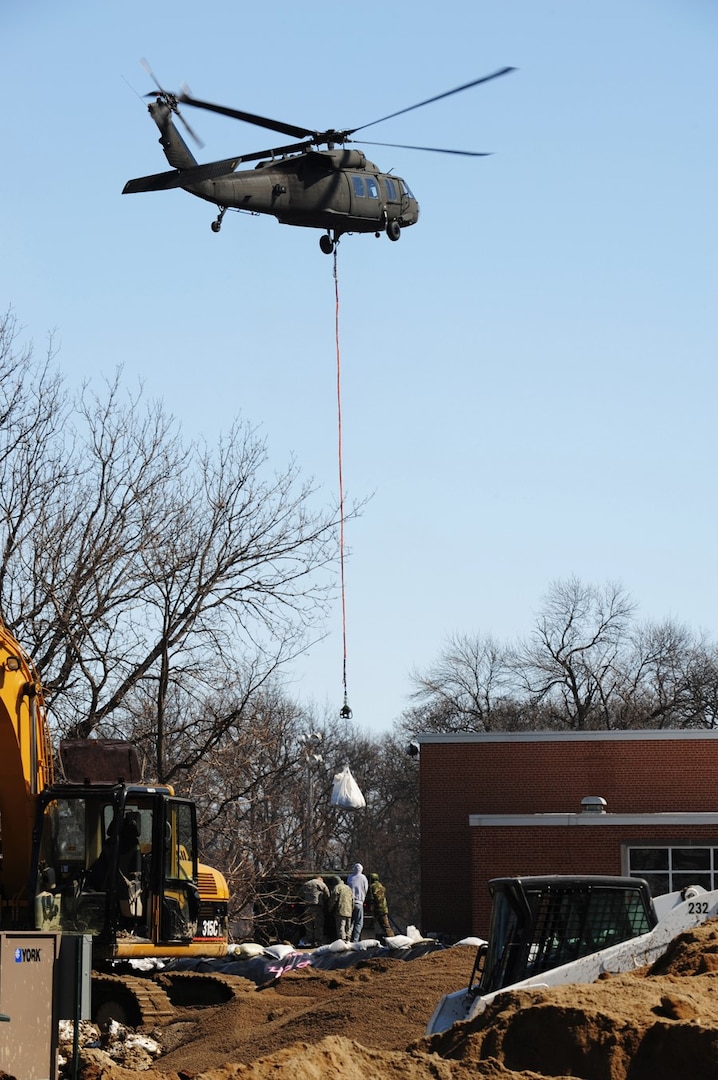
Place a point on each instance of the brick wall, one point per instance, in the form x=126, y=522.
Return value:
x=467, y=775
x=508, y=851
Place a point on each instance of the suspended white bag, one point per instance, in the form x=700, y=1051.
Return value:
x=346, y=793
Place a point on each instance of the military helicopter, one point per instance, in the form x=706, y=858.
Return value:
x=336, y=189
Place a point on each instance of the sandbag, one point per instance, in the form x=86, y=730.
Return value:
x=346, y=793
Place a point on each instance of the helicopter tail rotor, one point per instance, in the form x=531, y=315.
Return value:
x=171, y=101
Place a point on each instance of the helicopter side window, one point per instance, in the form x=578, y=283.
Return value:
x=358, y=184
x=390, y=190
x=372, y=188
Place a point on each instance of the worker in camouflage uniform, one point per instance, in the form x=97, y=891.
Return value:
x=380, y=906
x=315, y=895
x=340, y=905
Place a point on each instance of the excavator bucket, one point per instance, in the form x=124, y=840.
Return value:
x=99, y=761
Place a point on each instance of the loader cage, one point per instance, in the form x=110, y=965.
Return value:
x=542, y=923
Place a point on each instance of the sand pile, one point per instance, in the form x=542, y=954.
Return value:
x=367, y=1023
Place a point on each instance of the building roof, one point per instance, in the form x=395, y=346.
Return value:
x=647, y=735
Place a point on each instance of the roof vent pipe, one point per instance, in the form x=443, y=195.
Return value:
x=593, y=804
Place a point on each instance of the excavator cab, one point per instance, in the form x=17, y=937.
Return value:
x=119, y=863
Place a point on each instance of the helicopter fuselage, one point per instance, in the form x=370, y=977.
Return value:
x=331, y=189
x=337, y=189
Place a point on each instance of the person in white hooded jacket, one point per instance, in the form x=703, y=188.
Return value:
x=359, y=886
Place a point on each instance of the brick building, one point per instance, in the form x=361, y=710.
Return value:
x=615, y=802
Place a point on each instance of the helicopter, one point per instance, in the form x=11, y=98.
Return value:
x=319, y=182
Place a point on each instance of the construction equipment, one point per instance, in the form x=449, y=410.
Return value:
x=99, y=852
x=547, y=931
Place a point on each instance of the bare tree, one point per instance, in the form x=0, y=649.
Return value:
x=33, y=463
x=702, y=686
x=250, y=791
x=143, y=573
x=466, y=688
x=161, y=588
x=570, y=668
x=673, y=679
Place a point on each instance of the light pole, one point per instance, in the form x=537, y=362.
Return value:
x=309, y=744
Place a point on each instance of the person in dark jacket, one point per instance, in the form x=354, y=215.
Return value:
x=379, y=904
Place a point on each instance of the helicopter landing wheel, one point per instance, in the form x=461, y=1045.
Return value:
x=393, y=230
x=217, y=223
x=326, y=244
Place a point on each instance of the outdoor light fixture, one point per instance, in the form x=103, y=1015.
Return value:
x=309, y=744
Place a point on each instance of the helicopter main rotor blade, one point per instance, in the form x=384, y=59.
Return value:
x=437, y=97
x=151, y=74
x=430, y=149
x=332, y=136
x=249, y=118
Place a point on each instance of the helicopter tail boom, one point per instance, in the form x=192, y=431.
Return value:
x=176, y=150
x=181, y=178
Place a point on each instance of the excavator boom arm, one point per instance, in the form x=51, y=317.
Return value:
x=26, y=764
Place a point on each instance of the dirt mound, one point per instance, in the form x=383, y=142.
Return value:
x=368, y=1021
x=382, y=1003
x=692, y=953
x=627, y=1027
x=331, y=1059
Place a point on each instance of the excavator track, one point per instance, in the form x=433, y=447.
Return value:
x=193, y=989
x=152, y=1001
x=131, y=1000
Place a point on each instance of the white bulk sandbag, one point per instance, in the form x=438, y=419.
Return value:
x=346, y=793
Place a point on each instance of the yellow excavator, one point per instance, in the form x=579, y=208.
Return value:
x=98, y=852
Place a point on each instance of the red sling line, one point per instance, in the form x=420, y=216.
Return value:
x=345, y=710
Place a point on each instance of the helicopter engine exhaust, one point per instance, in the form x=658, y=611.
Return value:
x=345, y=159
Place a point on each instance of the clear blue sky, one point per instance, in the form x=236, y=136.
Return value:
x=529, y=374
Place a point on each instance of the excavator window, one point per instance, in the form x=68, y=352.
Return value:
x=129, y=868
x=71, y=838
x=91, y=865
x=64, y=838
x=180, y=907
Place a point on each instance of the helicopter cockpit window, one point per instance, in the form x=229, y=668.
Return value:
x=372, y=188
x=406, y=190
x=390, y=189
x=358, y=184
